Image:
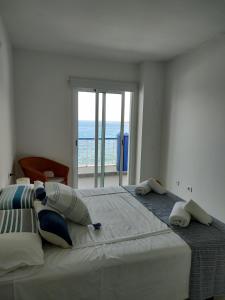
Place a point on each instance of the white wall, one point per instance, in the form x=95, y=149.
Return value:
x=7, y=136
x=151, y=95
x=194, y=126
x=43, y=99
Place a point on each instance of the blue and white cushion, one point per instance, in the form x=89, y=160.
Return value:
x=17, y=196
x=19, y=239
x=64, y=199
x=52, y=226
x=17, y=220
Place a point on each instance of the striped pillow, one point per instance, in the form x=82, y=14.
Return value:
x=20, y=242
x=17, y=196
x=64, y=199
x=17, y=220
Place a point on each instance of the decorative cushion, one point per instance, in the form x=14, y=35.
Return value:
x=17, y=196
x=20, y=242
x=39, y=190
x=52, y=226
x=64, y=199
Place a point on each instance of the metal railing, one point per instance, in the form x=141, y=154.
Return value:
x=86, y=151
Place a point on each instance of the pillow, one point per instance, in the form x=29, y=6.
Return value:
x=20, y=242
x=17, y=196
x=198, y=213
x=156, y=187
x=39, y=190
x=64, y=199
x=52, y=226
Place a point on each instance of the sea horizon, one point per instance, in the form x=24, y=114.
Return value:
x=86, y=129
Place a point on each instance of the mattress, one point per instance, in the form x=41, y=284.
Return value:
x=133, y=256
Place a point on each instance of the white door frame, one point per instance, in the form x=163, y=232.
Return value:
x=96, y=136
x=98, y=86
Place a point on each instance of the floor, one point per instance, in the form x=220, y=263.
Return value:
x=86, y=176
x=110, y=180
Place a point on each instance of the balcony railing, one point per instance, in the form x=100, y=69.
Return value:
x=86, y=151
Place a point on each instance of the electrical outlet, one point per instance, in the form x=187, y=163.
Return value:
x=189, y=188
x=178, y=182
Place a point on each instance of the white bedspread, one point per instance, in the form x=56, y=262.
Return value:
x=134, y=256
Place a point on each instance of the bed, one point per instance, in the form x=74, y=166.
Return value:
x=135, y=255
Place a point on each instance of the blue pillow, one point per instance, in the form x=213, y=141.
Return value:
x=17, y=196
x=52, y=226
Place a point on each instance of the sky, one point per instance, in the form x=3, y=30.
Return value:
x=86, y=106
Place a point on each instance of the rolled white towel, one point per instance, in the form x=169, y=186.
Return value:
x=143, y=188
x=156, y=187
x=179, y=216
x=198, y=213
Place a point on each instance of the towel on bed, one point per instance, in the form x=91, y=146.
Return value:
x=198, y=213
x=207, y=245
x=143, y=188
x=179, y=216
x=156, y=186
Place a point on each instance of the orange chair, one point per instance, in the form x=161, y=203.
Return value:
x=34, y=168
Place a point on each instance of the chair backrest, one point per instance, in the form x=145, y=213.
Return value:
x=37, y=163
x=34, y=167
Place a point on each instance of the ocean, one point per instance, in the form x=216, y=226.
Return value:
x=87, y=129
x=86, y=143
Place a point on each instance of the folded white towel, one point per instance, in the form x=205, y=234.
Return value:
x=156, y=187
x=179, y=216
x=143, y=188
x=198, y=213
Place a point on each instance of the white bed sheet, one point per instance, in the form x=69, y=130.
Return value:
x=134, y=256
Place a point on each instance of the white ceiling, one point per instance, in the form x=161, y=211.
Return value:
x=124, y=30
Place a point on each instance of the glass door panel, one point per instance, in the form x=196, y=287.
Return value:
x=86, y=139
x=112, y=138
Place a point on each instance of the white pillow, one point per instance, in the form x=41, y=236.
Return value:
x=156, y=187
x=198, y=213
x=64, y=199
x=20, y=243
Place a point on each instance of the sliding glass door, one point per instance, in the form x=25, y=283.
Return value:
x=102, y=138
